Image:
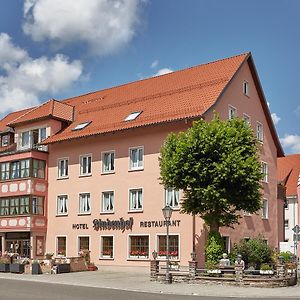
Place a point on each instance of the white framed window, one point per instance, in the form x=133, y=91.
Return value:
x=106, y=247
x=247, y=119
x=286, y=224
x=108, y=162
x=259, y=132
x=246, y=88
x=136, y=158
x=85, y=165
x=5, y=140
x=107, y=205
x=265, y=209
x=132, y=116
x=84, y=203
x=25, y=139
x=83, y=243
x=81, y=126
x=172, y=197
x=173, y=246
x=232, y=112
x=138, y=247
x=264, y=171
x=135, y=200
x=61, y=245
x=62, y=205
x=63, y=168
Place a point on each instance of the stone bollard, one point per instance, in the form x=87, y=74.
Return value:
x=239, y=272
x=154, y=268
x=280, y=271
x=192, y=269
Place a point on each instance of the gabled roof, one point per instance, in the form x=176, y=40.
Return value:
x=179, y=95
x=288, y=170
x=50, y=109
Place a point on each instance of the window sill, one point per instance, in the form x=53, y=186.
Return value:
x=85, y=175
x=107, y=212
x=108, y=172
x=84, y=214
x=264, y=218
x=138, y=258
x=137, y=169
x=106, y=258
x=61, y=215
x=136, y=211
x=62, y=178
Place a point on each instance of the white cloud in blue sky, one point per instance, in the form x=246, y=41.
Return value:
x=105, y=26
x=275, y=118
x=291, y=141
x=163, y=71
x=25, y=78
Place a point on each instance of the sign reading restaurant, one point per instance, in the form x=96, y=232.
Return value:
x=174, y=223
x=121, y=224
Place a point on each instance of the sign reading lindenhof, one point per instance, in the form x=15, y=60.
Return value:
x=121, y=224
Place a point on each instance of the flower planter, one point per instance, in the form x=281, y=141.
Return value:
x=36, y=269
x=63, y=268
x=215, y=271
x=16, y=268
x=266, y=272
x=4, y=267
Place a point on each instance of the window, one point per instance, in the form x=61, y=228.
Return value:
x=172, y=197
x=264, y=171
x=84, y=203
x=107, y=247
x=246, y=88
x=286, y=224
x=286, y=204
x=139, y=246
x=37, y=205
x=259, y=132
x=135, y=200
x=173, y=246
x=25, y=168
x=226, y=240
x=63, y=168
x=108, y=162
x=5, y=140
x=83, y=243
x=232, y=112
x=61, y=245
x=107, y=202
x=25, y=142
x=21, y=205
x=81, y=126
x=5, y=171
x=15, y=169
x=247, y=119
x=62, y=205
x=133, y=116
x=85, y=165
x=136, y=158
x=38, y=168
x=265, y=209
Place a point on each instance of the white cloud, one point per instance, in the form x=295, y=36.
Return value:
x=275, y=118
x=104, y=25
x=163, y=71
x=291, y=141
x=154, y=64
x=24, y=79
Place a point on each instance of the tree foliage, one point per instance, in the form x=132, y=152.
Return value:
x=213, y=249
x=216, y=165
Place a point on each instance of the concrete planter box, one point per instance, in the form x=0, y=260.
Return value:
x=16, y=268
x=36, y=269
x=4, y=267
x=63, y=268
x=266, y=272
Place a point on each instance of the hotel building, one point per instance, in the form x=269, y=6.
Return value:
x=83, y=173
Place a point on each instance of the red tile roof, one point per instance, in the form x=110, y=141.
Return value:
x=288, y=170
x=183, y=94
x=52, y=108
x=9, y=118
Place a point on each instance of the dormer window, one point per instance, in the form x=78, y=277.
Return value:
x=31, y=138
x=132, y=116
x=246, y=88
x=5, y=140
x=81, y=126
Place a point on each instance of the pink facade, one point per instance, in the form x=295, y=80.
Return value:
x=102, y=191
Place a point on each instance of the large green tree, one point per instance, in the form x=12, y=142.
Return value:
x=216, y=165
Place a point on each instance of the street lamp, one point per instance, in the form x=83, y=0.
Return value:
x=167, y=212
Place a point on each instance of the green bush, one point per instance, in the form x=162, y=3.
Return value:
x=213, y=249
x=287, y=256
x=254, y=252
x=265, y=267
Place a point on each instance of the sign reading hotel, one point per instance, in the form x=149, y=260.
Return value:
x=174, y=223
x=121, y=224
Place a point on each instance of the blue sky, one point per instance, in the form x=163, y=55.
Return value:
x=54, y=48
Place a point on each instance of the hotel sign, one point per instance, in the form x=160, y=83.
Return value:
x=107, y=224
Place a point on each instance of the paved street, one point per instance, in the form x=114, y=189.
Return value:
x=128, y=283
x=27, y=290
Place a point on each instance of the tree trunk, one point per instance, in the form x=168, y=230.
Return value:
x=214, y=226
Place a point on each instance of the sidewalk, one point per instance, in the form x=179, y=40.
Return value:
x=138, y=279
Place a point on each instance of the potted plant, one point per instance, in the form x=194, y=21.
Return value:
x=4, y=264
x=17, y=267
x=36, y=268
x=266, y=269
x=49, y=255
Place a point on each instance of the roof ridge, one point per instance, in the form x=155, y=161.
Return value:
x=151, y=78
